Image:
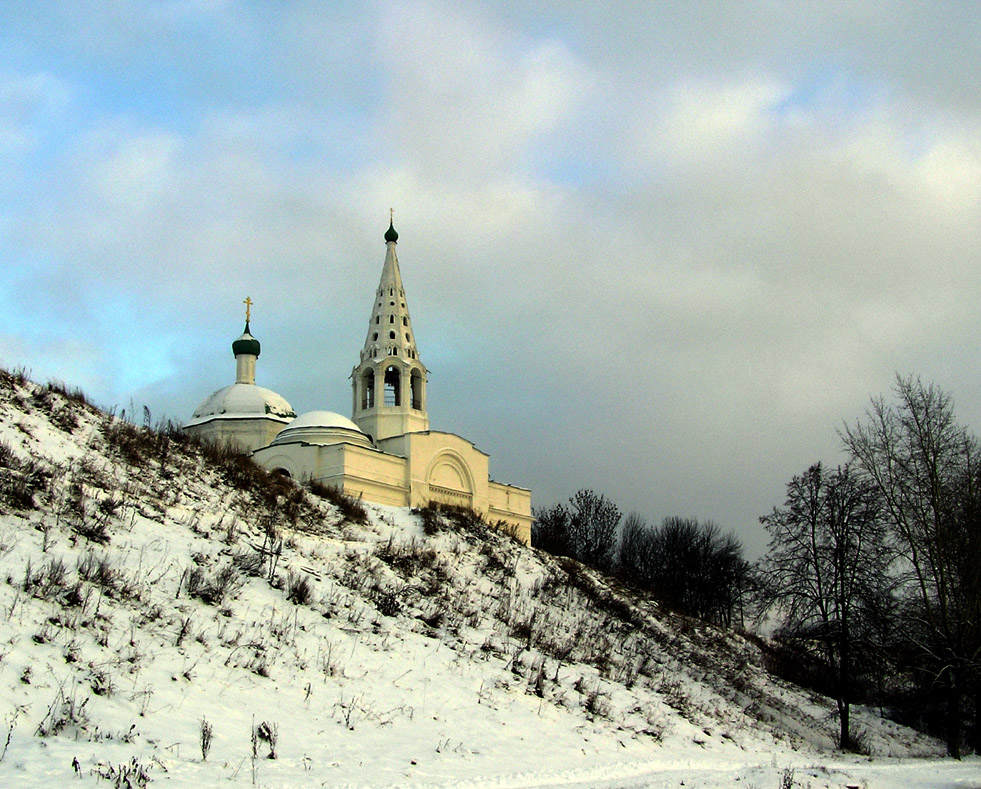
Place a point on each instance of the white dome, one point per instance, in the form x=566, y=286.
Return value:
x=324, y=428
x=243, y=401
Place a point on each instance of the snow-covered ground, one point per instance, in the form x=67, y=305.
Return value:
x=141, y=605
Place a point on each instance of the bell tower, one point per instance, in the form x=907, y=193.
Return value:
x=389, y=383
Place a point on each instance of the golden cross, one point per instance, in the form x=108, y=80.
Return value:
x=248, y=308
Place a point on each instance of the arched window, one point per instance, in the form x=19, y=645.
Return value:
x=374, y=336
x=405, y=321
x=368, y=389
x=393, y=386
x=416, y=384
x=391, y=319
x=378, y=318
x=391, y=335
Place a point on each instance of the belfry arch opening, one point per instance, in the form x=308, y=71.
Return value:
x=393, y=386
x=368, y=389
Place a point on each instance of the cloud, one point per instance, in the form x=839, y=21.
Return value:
x=658, y=250
x=706, y=124
x=466, y=98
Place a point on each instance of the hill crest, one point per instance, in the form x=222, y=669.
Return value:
x=153, y=589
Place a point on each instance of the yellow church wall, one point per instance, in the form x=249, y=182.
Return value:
x=445, y=468
x=442, y=467
x=366, y=473
x=513, y=506
x=357, y=471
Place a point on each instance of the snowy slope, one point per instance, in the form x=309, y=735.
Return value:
x=148, y=593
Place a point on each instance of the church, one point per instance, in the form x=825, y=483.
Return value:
x=385, y=453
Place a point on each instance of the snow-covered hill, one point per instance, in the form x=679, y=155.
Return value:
x=171, y=614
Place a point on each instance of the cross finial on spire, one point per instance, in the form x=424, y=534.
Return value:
x=248, y=308
x=391, y=216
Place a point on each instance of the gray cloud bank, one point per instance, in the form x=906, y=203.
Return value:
x=660, y=250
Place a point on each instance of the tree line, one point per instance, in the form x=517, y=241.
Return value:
x=872, y=575
x=689, y=565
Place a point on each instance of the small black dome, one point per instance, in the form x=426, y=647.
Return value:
x=390, y=234
x=246, y=343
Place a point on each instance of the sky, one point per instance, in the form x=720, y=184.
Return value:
x=662, y=250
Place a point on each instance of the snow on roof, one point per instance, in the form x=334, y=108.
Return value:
x=243, y=401
x=322, y=427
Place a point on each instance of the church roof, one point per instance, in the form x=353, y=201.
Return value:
x=322, y=427
x=243, y=401
x=390, y=330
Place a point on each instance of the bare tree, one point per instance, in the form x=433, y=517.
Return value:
x=827, y=556
x=925, y=467
x=550, y=530
x=592, y=529
x=691, y=566
x=635, y=559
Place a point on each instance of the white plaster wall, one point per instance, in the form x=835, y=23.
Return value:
x=247, y=435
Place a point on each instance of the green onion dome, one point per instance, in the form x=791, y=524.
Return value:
x=246, y=343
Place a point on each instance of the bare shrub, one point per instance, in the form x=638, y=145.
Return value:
x=388, y=601
x=75, y=395
x=99, y=570
x=94, y=530
x=21, y=480
x=205, y=739
x=48, y=583
x=64, y=713
x=11, y=722
x=351, y=509
x=250, y=562
x=299, y=589
x=213, y=589
x=7, y=457
x=597, y=704
x=64, y=418
x=10, y=379
x=184, y=632
x=267, y=733
x=131, y=443
x=437, y=516
x=102, y=682
x=408, y=557
x=510, y=530
x=131, y=775
x=432, y=523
